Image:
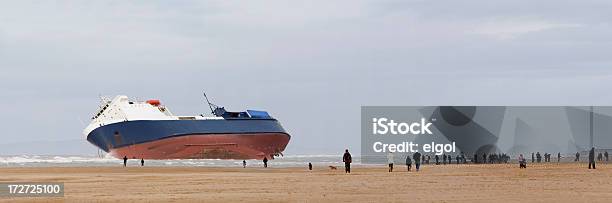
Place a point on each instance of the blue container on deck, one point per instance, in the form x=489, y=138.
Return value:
x=258, y=114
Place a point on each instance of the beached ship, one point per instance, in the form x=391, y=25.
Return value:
x=148, y=130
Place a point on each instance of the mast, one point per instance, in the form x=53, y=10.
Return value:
x=210, y=105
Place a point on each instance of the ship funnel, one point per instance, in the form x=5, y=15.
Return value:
x=154, y=102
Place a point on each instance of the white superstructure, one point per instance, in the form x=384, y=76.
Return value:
x=121, y=109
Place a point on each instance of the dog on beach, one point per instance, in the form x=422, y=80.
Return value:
x=333, y=168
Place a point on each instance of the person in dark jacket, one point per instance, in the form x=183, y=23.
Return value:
x=142, y=162
x=417, y=160
x=437, y=160
x=484, y=158
x=577, y=157
x=606, y=155
x=475, y=160
x=243, y=163
x=347, y=159
x=592, y=158
x=309, y=166
x=599, y=157
x=408, y=162
x=559, y=157
x=522, y=161
x=265, y=160
x=124, y=161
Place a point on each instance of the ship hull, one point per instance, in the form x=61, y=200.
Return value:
x=207, y=146
x=192, y=139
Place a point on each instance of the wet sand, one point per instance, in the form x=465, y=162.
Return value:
x=465, y=183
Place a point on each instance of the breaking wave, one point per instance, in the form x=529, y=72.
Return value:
x=93, y=161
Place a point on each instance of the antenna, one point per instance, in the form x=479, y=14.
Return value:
x=210, y=105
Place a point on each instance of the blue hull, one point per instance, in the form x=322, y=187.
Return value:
x=128, y=133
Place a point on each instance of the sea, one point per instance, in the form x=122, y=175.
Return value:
x=98, y=161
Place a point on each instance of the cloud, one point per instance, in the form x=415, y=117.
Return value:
x=297, y=59
x=512, y=28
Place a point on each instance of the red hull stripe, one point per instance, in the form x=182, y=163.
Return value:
x=208, y=146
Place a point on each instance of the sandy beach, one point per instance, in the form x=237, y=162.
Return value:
x=464, y=183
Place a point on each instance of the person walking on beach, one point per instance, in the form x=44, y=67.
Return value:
x=437, y=160
x=475, y=159
x=408, y=162
x=265, y=160
x=443, y=159
x=428, y=158
x=124, y=161
x=347, y=159
x=606, y=155
x=549, y=157
x=484, y=158
x=417, y=160
x=309, y=166
x=243, y=163
x=390, y=161
x=559, y=157
x=577, y=157
x=592, y=158
x=532, y=157
x=522, y=161
x=142, y=162
x=599, y=157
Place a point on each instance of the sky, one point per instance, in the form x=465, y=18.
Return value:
x=312, y=64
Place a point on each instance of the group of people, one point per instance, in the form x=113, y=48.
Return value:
x=538, y=157
x=448, y=159
x=125, y=159
x=418, y=159
x=601, y=158
x=492, y=158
